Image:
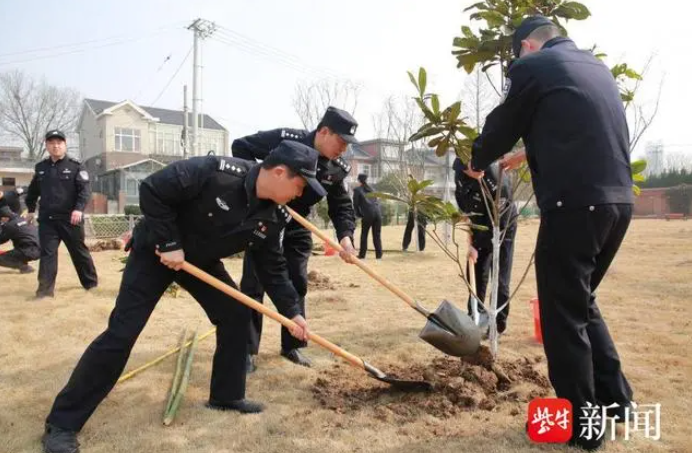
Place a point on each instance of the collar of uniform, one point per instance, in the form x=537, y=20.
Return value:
x=556, y=41
x=310, y=139
x=63, y=158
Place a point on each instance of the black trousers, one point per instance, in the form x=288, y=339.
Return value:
x=573, y=253
x=144, y=281
x=297, y=248
x=374, y=223
x=482, y=270
x=409, y=229
x=50, y=233
x=17, y=259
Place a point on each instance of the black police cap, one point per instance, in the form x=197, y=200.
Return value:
x=527, y=27
x=301, y=159
x=55, y=134
x=340, y=122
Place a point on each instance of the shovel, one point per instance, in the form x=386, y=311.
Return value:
x=401, y=384
x=448, y=329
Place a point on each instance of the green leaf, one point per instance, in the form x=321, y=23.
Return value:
x=387, y=196
x=435, y=141
x=422, y=79
x=638, y=177
x=413, y=80
x=632, y=74
x=454, y=111
x=426, y=111
x=578, y=10
x=466, y=31
x=479, y=5
x=638, y=166
x=637, y=191
x=436, y=104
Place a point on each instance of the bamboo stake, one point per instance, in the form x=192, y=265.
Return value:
x=176, y=377
x=168, y=419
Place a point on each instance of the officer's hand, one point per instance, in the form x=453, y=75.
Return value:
x=30, y=217
x=473, y=254
x=512, y=161
x=300, y=331
x=173, y=260
x=76, y=217
x=473, y=173
x=349, y=252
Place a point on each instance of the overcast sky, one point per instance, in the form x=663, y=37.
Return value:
x=118, y=50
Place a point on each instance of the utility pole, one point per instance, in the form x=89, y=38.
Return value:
x=201, y=29
x=186, y=124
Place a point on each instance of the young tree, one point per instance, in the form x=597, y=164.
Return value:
x=30, y=107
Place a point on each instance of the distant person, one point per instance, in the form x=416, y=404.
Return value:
x=24, y=237
x=368, y=209
x=62, y=184
x=12, y=199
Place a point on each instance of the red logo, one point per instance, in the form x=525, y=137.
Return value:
x=550, y=420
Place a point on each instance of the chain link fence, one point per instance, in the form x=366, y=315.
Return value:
x=109, y=226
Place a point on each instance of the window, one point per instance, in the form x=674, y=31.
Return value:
x=9, y=182
x=167, y=144
x=132, y=187
x=366, y=169
x=127, y=139
x=390, y=152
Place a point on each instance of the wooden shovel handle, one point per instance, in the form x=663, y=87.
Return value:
x=381, y=280
x=250, y=302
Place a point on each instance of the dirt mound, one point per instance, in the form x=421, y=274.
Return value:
x=317, y=280
x=458, y=385
x=105, y=244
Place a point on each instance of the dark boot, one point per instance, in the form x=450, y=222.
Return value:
x=297, y=357
x=243, y=406
x=58, y=440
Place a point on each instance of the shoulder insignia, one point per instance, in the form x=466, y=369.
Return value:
x=231, y=167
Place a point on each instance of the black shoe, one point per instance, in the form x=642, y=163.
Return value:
x=243, y=406
x=89, y=288
x=26, y=269
x=297, y=357
x=58, y=440
x=40, y=296
x=250, y=366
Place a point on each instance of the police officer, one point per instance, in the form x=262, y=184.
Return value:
x=565, y=105
x=12, y=199
x=24, y=237
x=470, y=199
x=333, y=134
x=368, y=209
x=201, y=210
x=62, y=184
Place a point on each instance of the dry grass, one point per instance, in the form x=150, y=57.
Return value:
x=645, y=299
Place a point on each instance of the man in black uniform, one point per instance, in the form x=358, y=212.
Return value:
x=330, y=139
x=12, y=199
x=369, y=210
x=422, y=221
x=200, y=210
x=470, y=200
x=24, y=237
x=62, y=184
x=566, y=106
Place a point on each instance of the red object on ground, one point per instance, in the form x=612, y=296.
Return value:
x=537, y=332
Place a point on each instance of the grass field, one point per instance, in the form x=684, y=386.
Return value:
x=645, y=299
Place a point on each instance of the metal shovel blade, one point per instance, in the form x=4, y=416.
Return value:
x=451, y=331
x=401, y=384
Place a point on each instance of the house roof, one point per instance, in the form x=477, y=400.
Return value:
x=356, y=152
x=165, y=116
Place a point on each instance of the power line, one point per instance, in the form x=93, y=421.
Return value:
x=172, y=77
x=70, y=52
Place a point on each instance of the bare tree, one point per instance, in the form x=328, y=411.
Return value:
x=311, y=99
x=641, y=114
x=478, y=97
x=30, y=107
x=678, y=161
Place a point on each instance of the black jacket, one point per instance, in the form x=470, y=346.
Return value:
x=208, y=207
x=11, y=198
x=470, y=200
x=24, y=236
x=330, y=173
x=566, y=106
x=63, y=187
x=365, y=207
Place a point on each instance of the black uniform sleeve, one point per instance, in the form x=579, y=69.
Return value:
x=340, y=209
x=33, y=192
x=509, y=120
x=162, y=191
x=5, y=234
x=83, y=188
x=272, y=272
x=257, y=146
